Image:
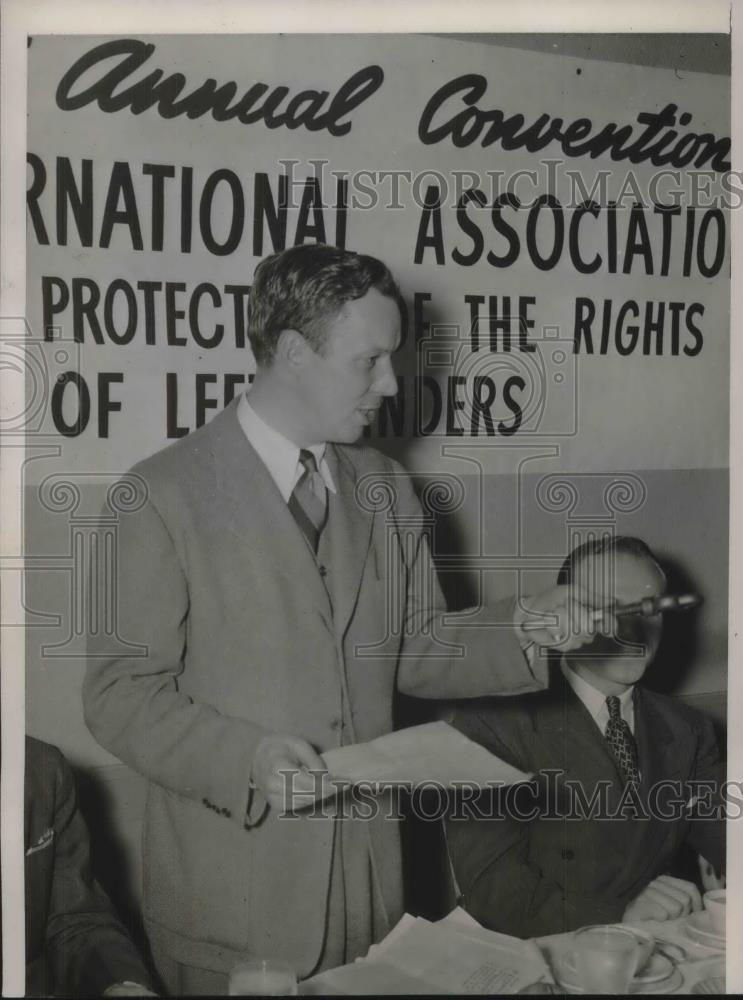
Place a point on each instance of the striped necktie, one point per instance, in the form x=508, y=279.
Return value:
x=622, y=742
x=309, y=500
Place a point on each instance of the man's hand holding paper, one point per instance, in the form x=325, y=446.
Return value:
x=434, y=752
x=288, y=771
x=292, y=776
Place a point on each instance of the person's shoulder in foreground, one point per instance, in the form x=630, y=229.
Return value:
x=75, y=945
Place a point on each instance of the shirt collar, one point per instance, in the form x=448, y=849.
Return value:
x=592, y=698
x=278, y=453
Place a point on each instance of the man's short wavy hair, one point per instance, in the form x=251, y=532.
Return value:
x=303, y=288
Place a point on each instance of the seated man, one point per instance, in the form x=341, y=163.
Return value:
x=75, y=946
x=534, y=860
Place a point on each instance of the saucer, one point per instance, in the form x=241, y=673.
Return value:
x=669, y=985
x=712, y=979
x=699, y=929
x=714, y=986
x=659, y=975
x=657, y=969
x=674, y=982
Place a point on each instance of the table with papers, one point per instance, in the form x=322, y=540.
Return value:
x=457, y=955
x=454, y=955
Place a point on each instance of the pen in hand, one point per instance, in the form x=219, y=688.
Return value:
x=647, y=607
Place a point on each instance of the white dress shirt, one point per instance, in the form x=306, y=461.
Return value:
x=595, y=700
x=278, y=453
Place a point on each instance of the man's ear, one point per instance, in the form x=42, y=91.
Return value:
x=292, y=349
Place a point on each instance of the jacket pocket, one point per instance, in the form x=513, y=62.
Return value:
x=196, y=870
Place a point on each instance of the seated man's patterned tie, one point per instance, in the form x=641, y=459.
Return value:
x=622, y=742
x=309, y=500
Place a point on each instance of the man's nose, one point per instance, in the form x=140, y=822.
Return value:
x=385, y=382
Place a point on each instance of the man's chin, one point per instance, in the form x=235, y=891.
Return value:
x=347, y=435
x=353, y=428
x=628, y=672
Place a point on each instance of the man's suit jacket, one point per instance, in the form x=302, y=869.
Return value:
x=75, y=946
x=244, y=637
x=552, y=874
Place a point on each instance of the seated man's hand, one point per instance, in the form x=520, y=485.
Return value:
x=665, y=898
x=560, y=617
x=288, y=791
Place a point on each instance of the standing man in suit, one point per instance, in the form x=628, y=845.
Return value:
x=75, y=946
x=279, y=577
x=547, y=865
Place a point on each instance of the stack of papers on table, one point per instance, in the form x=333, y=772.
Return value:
x=434, y=752
x=455, y=955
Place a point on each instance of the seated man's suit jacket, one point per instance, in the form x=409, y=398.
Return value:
x=546, y=873
x=75, y=946
x=239, y=636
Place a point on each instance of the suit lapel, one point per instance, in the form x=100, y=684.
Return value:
x=349, y=527
x=662, y=756
x=661, y=752
x=583, y=748
x=250, y=505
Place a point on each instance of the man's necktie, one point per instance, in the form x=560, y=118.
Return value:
x=622, y=742
x=309, y=500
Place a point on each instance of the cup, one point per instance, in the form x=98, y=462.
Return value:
x=606, y=958
x=262, y=977
x=647, y=947
x=714, y=904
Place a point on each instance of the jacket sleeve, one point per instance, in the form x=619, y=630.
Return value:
x=445, y=654
x=706, y=829
x=489, y=847
x=132, y=703
x=88, y=949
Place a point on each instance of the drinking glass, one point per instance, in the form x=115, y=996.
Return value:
x=606, y=958
x=262, y=978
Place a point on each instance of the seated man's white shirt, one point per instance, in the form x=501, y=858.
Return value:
x=595, y=700
x=278, y=453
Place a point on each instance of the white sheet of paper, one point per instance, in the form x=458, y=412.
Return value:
x=406, y=921
x=364, y=978
x=463, y=923
x=461, y=919
x=455, y=955
x=457, y=962
x=431, y=752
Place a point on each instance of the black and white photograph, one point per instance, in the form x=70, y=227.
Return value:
x=366, y=476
